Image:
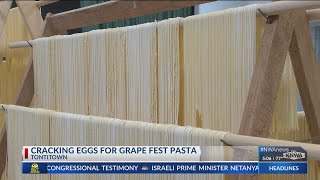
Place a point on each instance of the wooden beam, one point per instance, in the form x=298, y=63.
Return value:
x=305, y=67
x=279, y=7
x=32, y=16
x=313, y=15
x=112, y=11
x=4, y=11
x=26, y=87
x=258, y=111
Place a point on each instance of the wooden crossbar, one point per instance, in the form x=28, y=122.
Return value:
x=279, y=7
x=112, y=11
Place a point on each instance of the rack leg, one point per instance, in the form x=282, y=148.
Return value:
x=307, y=73
x=257, y=115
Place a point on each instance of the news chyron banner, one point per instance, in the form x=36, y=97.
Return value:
x=163, y=160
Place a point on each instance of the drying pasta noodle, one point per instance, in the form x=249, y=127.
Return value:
x=152, y=73
x=61, y=79
x=98, y=101
x=219, y=55
x=168, y=70
x=141, y=58
x=116, y=73
x=56, y=128
x=72, y=129
x=44, y=89
x=107, y=73
x=33, y=128
x=71, y=63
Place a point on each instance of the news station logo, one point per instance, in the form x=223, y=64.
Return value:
x=280, y=153
x=294, y=155
x=34, y=168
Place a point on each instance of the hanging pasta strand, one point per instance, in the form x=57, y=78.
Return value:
x=219, y=53
x=98, y=101
x=141, y=72
x=168, y=70
x=33, y=128
x=65, y=69
x=116, y=73
x=44, y=75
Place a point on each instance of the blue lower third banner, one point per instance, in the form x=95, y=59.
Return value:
x=162, y=168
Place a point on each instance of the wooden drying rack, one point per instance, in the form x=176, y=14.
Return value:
x=287, y=30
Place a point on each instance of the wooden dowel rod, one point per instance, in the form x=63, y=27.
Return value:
x=275, y=8
x=240, y=140
x=113, y=10
x=43, y=3
x=20, y=44
x=313, y=15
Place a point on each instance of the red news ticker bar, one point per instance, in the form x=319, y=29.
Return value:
x=26, y=153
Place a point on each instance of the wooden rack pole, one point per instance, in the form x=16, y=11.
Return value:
x=279, y=7
x=313, y=15
x=112, y=11
x=21, y=44
x=305, y=66
x=32, y=17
